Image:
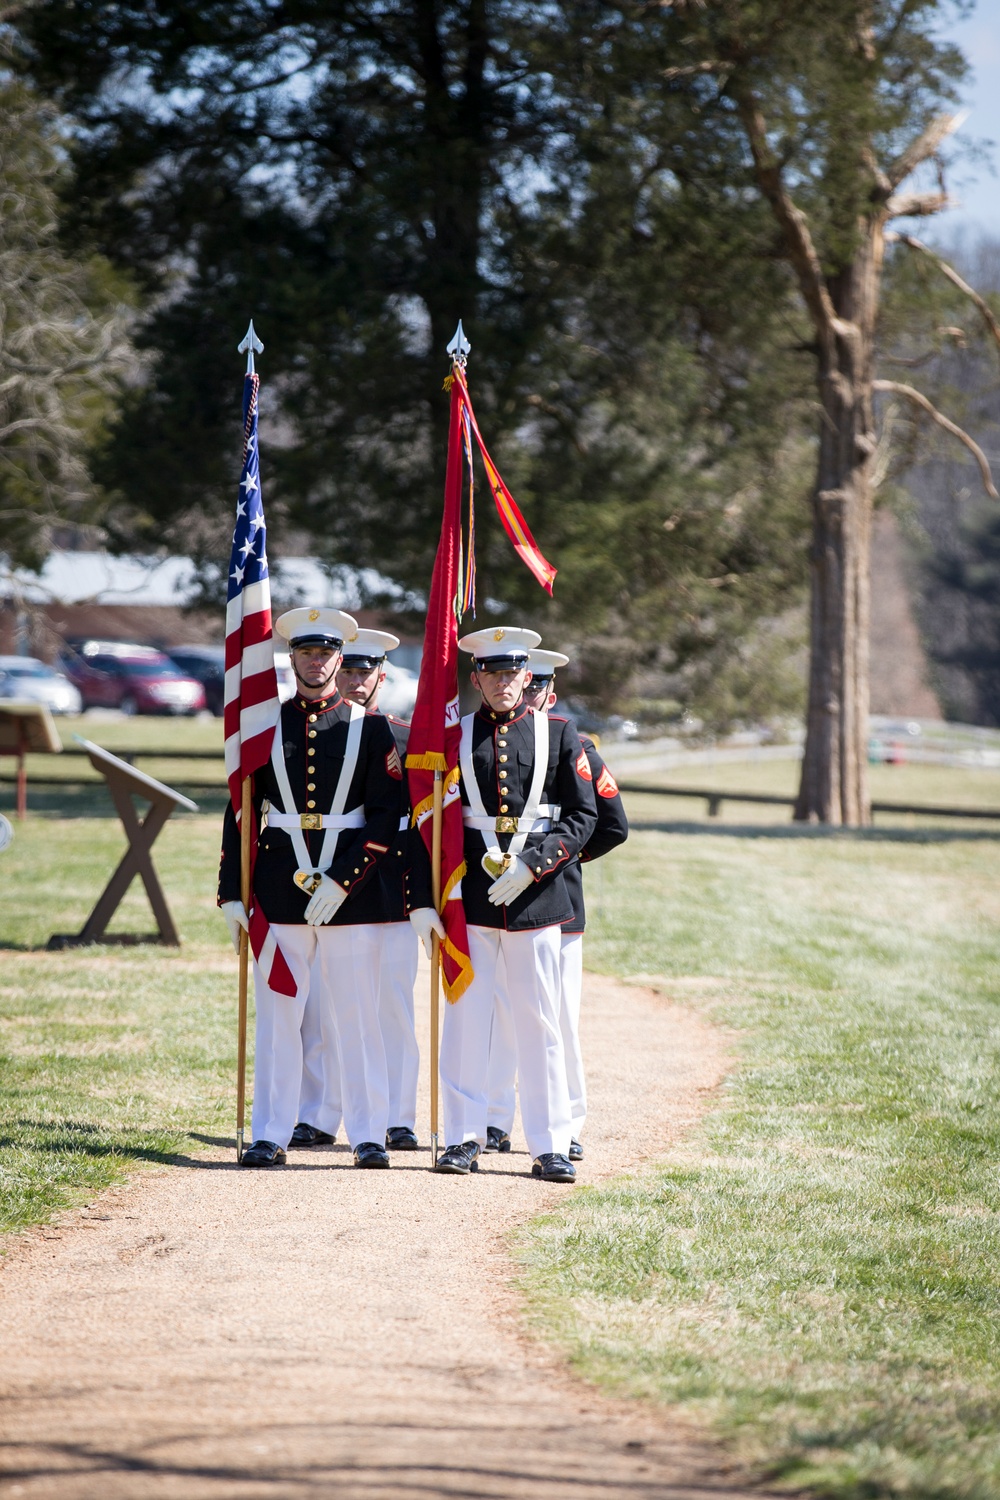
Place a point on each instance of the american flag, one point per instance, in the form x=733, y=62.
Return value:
x=252, y=706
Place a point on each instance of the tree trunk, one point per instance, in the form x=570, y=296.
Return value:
x=834, y=781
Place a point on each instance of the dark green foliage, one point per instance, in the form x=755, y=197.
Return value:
x=64, y=348
x=638, y=385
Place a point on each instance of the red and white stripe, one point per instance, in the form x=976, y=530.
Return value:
x=251, y=705
x=251, y=713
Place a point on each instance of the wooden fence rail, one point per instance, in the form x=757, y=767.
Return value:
x=715, y=798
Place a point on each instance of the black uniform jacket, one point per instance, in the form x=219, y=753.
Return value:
x=392, y=869
x=314, y=739
x=503, y=757
x=611, y=830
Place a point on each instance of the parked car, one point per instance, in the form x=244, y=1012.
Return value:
x=136, y=679
x=34, y=681
x=207, y=665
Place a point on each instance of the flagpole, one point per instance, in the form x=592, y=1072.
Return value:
x=241, y=1023
x=250, y=344
x=436, y=816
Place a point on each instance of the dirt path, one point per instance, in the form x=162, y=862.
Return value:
x=319, y=1331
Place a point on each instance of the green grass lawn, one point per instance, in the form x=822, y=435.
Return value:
x=817, y=1271
x=108, y=1056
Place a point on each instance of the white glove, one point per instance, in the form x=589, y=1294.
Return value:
x=424, y=920
x=515, y=879
x=325, y=902
x=235, y=914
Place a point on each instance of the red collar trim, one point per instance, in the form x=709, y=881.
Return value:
x=510, y=717
x=312, y=705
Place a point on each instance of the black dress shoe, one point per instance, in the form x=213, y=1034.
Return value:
x=368, y=1154
x=401, y=1138
x=263, y=1154
x=459, y=1160
x=552, y=1167
x=308, y=1135
x=575, y=1150
x=497, y=1139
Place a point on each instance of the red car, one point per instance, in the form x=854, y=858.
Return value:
x=136, y=679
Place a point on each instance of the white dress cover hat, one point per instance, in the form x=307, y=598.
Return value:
x=368, y=646
x=315, y=627
x=543, y=663
x=500, y=646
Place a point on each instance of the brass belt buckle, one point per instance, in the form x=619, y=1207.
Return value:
x=506, y=825
x=311, y=820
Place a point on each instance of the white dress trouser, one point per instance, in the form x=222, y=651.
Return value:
x=347, y=1014
x=400, y=948
x=503, y=1050
x=320, y=1097
x=571, y=994
x=531, y=963
x=501, y=1093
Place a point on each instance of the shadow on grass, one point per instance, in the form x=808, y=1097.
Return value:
x=115, y=940
x=77, y=1138
x=948, y=835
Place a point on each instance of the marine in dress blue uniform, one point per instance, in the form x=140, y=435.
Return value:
x=528, y=810
x=360, y=680
x=328, y=805
x=611, y=831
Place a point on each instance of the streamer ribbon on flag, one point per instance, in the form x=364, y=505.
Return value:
x=514, y=523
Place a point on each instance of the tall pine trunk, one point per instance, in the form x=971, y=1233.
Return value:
x=834, y=781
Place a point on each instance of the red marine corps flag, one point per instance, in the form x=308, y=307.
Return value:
x=435, y=729
x=432, y=759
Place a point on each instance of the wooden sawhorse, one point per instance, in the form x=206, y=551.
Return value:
x=125, y=782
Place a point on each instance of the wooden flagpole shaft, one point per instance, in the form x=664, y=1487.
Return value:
x=241, y=1024
x=436, y=817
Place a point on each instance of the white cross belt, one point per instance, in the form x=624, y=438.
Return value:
x=548, y=813
x=309, y=821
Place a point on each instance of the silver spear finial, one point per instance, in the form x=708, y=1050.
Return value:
x=459, y=346
x=252, y=345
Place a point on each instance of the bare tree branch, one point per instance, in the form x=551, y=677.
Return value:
x=913, y=205
x=924, y=146
x=919, y=399
x=983, y=307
